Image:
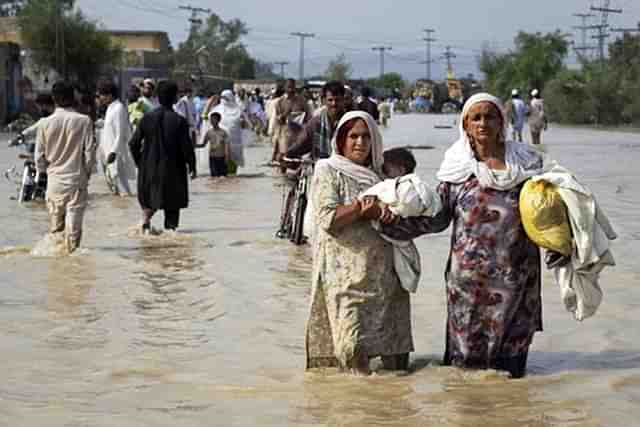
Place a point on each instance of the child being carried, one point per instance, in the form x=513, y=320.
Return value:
x=406, y=195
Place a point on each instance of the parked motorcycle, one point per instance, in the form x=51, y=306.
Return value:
x=31, y=184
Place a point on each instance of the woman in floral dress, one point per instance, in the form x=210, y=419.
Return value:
x=493, y=272
x=359, y=310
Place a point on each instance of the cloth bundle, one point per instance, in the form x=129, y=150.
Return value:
x=406, y=196
x=544, y=216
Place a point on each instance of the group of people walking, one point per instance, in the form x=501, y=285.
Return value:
x=157, y=134
x=360, y=305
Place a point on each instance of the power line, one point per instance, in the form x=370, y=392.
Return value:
x=281, y=64
x=381, y=49
x=448, y=55
x=583, y=28
x=605, y=10
x=195, y=21
x=302, y=36
x=428, y=39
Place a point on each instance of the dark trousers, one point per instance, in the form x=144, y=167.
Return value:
x=171, y=217
x=218, y=166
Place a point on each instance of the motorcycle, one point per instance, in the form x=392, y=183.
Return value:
x=31, y=184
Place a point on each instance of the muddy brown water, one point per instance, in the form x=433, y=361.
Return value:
x=205, y=326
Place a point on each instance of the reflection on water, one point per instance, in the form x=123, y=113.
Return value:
x=206, y=326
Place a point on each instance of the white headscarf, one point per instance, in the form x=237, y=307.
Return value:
x=460, y=163
x=368, y=175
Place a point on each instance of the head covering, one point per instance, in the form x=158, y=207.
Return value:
x=534, y=92
x=460, y=163
x=227, y=95
x=368, y=175
x=514, y=92
x=149, y=82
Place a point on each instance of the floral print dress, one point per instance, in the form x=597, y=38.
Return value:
x=357, y=302
x=492, y=275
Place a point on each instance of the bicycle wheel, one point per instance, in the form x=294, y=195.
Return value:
x=297, y=235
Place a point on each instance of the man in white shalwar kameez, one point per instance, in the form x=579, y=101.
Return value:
x=119, y=167
x=187, y=109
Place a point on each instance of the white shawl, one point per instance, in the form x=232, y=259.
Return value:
x=460, y=163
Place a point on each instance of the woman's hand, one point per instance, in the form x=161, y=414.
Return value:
x=369, y=208
x=386, y=216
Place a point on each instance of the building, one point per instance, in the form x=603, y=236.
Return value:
x=146, y=54
x=11, y=90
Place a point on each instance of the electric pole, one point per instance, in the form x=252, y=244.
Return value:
x=281, y=64
x=301, y=64
x=381, y=49
x=605, y=10
x=583, y=28
x=626, y=30
x=448, y=55
x=428, y=39
x=194, y=20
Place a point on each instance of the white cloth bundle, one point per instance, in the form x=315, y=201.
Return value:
x=406, y=196
x=579, y=279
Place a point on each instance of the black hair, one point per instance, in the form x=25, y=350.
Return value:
x=44, y=99
x=63, y=94
x=335, y=87
x=167, y=93
x=400, y=157
x=133, y=94
x=257, y=91
x=106, y=86
x=290, y=81
x=216, y=114
x=366, y=92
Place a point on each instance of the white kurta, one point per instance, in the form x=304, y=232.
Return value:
x=114, y=138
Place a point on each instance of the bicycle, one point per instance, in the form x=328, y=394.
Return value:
x=295, y=201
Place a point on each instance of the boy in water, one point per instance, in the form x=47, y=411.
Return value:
x=218, y=140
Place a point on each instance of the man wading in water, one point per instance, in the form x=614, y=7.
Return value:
x=164, y=160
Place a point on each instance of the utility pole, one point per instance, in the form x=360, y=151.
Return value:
x=301, y=63
x=428, y=39
x=381, y=49
x=583, y=28
x=626, y=30
x=194, y=20
x=448, y=55
x=281, y=64
x=61, y=60
x=605, y=10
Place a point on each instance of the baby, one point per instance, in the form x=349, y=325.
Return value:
x=406, y=195
x=403, y=191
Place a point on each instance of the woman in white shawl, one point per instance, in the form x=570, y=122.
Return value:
x=358, y=310
x=493, y=273
x=232, y=117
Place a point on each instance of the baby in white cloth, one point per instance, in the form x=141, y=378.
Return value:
x=406, y=195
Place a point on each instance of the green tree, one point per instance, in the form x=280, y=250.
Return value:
x=86, y=52
x=388, y=82
x=216, y=49
x=536, y=59
x=338, y=69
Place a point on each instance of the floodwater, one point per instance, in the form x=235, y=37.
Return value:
x=205, y=326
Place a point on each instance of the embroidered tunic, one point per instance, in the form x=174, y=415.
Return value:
x=357, y=302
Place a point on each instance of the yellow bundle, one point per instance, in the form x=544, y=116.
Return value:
x=544, y=216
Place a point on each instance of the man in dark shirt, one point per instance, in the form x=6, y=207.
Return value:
x=366, y=104
x=316, y=135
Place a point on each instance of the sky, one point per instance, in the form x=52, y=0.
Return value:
x=354, y=27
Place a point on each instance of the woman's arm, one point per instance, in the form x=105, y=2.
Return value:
x=410, y=228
